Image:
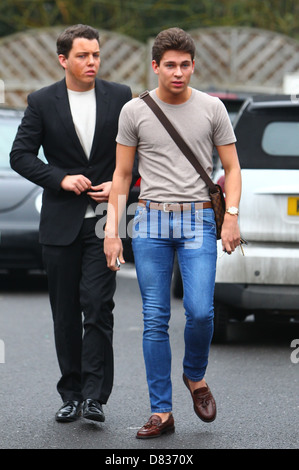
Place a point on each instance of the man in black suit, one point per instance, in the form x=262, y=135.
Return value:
x=75, y=121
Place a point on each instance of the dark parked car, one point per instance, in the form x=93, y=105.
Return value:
x=20, y=203
x=265, y=282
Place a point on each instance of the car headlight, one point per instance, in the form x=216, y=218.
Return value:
x=38, y=202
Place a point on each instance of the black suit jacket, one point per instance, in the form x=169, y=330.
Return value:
x=47, y=122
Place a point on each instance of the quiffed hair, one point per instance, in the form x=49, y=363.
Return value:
x=172, y=39
x=65, y=40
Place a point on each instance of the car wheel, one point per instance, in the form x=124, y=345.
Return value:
x=220, y=323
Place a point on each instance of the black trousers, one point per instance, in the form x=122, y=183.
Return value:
x=81, y=290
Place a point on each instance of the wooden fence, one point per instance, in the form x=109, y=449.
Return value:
x=227, y=59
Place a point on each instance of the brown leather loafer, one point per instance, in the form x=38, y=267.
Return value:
x=203, y=401
x=155, y=428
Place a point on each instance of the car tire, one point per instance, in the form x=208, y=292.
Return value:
x=220, y=323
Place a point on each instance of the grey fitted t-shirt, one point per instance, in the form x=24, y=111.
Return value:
x=166, y=174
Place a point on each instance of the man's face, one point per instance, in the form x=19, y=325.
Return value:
x=82, y=64
x=174, y=71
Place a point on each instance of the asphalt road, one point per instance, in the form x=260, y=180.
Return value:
x=254, y=381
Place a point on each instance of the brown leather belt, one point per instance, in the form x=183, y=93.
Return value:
x=174, y=206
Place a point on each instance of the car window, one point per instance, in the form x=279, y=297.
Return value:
x=267, y=137
x=8, y=130
x=233, y=107
x=281, y=138
x=9, y=123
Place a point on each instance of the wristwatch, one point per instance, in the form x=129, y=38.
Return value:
x=233, y=210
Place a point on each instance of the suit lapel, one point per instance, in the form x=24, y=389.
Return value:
x=102, y=108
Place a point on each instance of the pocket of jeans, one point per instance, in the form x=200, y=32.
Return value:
x=139, y=226
x=205, y=216
x=140, y=211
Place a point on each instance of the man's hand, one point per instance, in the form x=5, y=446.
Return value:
x=113, y=249
x=230, y=233
x=100, y=193
x=76, y=183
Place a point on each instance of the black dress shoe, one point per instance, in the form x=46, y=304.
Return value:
x=70, y=411
x=92, y=409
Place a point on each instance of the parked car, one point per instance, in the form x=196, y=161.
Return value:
x=264, y=282
x=20, y=203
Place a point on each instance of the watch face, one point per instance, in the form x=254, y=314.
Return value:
x=233, y=210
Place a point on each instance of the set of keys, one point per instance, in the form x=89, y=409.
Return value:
x=242, y=242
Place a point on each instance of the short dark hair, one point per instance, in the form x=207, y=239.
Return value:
x=172, y=39
x=65, y=40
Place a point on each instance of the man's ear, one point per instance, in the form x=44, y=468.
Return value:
x=62, y=60
x=155, y=67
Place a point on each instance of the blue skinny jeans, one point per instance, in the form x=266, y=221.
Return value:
x=156, y=236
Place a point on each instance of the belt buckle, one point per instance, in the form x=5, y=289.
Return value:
x=164, y=207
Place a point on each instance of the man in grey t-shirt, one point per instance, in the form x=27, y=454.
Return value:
x=174, y=215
